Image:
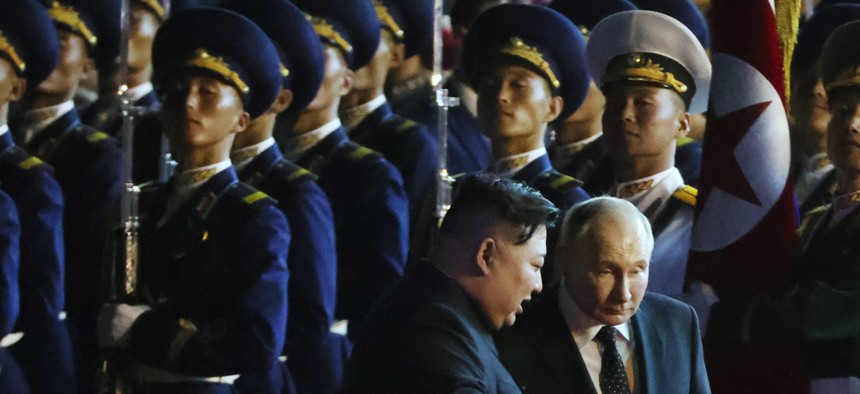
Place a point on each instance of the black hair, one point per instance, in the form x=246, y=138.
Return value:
x=487, y=195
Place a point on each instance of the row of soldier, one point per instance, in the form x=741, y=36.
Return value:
x=290, y=102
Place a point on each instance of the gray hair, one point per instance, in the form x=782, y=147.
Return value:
x=579, y=218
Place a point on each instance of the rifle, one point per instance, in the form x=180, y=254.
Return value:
x=444, y=181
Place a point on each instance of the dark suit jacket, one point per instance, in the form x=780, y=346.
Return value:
x=542, y=356
x=427, y=336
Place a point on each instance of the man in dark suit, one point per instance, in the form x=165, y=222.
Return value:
x=599, y=331
x=433, y=331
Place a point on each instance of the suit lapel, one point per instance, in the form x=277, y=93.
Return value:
x=560, y=352
x=650, y=350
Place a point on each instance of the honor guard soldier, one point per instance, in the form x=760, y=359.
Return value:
x=653, y=72
x=106, y=113
x=86, y=162
x=315, y=355
x=212, y=274
x=578, y=145
x=813, y=172
x=28, y=54
x=371, y=211
x=527, y=64
x=406, y=30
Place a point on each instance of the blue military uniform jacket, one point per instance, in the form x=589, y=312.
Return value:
x=39, y=200
x=316, y=357
x=106, y=114
x=427, y=336
x=87, y=165
x=560, y=189
x=581, y=165
x=371, y=215
x=405, y=144
x=468, y=149
x=215, y=275
x=543, y=357
x=11, y=378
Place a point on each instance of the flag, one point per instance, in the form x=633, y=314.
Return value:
x=743, y=238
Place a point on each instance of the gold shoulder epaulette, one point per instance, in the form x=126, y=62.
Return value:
x=254, y=197
x=30, y=162
x=686, y=194
x=683, y=141
x=97, y=136
x=361, y=152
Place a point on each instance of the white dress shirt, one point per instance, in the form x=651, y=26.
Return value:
x=584, y=329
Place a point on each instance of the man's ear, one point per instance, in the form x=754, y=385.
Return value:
x=282, y=102
x=89, y=68
x=556, y=104
x=398, y=54
x=19, y=87
x=683, y=125
x=243, y=122
x=486, y=255
x=346, y=82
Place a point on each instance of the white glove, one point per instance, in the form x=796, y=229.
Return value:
x=114, y=322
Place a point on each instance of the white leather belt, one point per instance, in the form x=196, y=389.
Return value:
x=11, y=339
x=143, y=374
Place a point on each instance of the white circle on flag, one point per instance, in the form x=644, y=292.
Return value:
x=764, y=155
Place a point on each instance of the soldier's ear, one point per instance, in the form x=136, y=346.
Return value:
x=346, y=83
x=556, y=104
x=282, y=102
x=683, y=125
x=19, y=86
x=242, y=122
x=398, y=54
x=486, y=254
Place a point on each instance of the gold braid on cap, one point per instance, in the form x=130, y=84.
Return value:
x=155, y=7
x=517, y=48
x=849, y=76
x=7, y=49
x=387, y=20
x=217, y=65
x=67, y=16
x=638, y=68
x=327, y=32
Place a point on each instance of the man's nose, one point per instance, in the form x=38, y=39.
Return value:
x=621, y=290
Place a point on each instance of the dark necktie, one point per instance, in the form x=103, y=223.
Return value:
x=613, y=376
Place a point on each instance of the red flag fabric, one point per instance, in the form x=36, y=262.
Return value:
x=743, y=238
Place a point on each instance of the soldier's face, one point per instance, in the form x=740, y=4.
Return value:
x=11, y=85
x=144, y=24
x=641, y=121
x=372, y=76
x=810, y=111
x=199, y=111
x=513, y=273
x=843, y=131
x=337, y=81
x=515, y=102
x=606, y=268
x=74, y=63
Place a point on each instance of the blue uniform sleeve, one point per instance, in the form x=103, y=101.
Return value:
x=245, y=334
x=42, y=250
x=377, y=242
x=10, y=233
